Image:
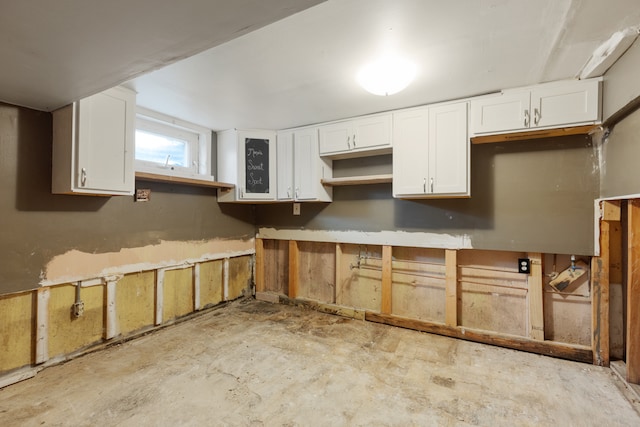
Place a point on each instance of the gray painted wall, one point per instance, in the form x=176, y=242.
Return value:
x=37, y=225
x=621, y=153
x=535, y=196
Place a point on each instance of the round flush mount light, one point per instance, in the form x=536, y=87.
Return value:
x=386, y=75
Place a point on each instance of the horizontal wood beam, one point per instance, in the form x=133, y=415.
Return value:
x=547, y=348
x=145, y=176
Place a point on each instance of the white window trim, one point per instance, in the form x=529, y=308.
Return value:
x=200, y=152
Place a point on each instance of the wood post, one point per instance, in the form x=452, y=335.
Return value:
x=600, y=279
x=338, y=286
x=294, y=267
x=451, y=287
x=159, y=295
x=111, y=324
x=536, y=309
x=197, y=305
x=385, y=300
x=259, y=265
x=42, y=325
x=633, y=291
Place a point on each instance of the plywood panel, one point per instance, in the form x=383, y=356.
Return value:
x=239, y=276
x=361, y=282
x=276, y=266
x=177, y=293
x=135, y=297
x=211, y=283
x=67, y=333
x=316, y=274
x=567, y=318
x=16, y=331
x=419, y=283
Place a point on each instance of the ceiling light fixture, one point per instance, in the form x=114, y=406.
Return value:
x=386, y=75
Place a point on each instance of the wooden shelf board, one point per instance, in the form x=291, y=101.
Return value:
x=533, y=134
x=358, y=180
x=145, y=176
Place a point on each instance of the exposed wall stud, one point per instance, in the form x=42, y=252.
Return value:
x=159, y=295
x=196, y=287
x=451, y=290
x=535, y=298
x=42, y=325
x=111, y=321
x=225, y=280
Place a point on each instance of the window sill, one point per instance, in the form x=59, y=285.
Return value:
x=146, y=176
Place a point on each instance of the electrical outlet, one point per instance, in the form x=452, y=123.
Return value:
x=524, y=265
x=296, y=208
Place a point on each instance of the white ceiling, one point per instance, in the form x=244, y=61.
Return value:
x=298, y=70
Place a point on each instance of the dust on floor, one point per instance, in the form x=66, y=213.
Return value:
x=257, y=364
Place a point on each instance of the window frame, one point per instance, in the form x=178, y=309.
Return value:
x=197, y=137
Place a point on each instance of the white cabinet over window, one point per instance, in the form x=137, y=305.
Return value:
x=566, y=103
x=431, y=152
x=300, y=167
x=363, y=136
x=248, y=160
x=93, y=145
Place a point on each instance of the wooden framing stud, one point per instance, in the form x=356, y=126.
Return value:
x=42, y=325
x=338, y=273
x=451, y=287
x=294, y=267
x=196, y=287
x=111, y=321
x=159, y=295
x=633, y=291
x=225, y=280
x=259, y=265
x=387, y=279
x=535, y=298
x=600, y=300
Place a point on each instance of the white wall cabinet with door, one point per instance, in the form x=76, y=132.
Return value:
x=363, y=136
x=93, y=145
x=557, y=104
x=300, y=168
x=247, y=159
x=431, y=152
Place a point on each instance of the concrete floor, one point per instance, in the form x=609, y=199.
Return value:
x=254, y=364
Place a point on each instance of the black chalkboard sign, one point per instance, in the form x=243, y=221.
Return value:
x=257, y=165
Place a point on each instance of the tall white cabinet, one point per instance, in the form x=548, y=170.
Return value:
x=93, y=145
x=300, y=167
x=431, y=152
x=247, y=159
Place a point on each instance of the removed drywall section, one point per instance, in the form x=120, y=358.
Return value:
x=211, y=283
x=135, y=302
x=17, y=314
x=68, y=333
x=38, y=226
x=528, y=196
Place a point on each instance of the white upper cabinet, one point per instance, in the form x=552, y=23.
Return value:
x=431, y=152
x=93, y=145
x=247, y=159
x=566, y=103
x=300, y=167
x=364, y=136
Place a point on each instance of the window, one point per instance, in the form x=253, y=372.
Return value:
x=168, y=146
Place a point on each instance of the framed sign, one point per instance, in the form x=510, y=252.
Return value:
x=256, y=153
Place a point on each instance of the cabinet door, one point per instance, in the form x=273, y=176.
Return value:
x=284, y=145
x=448, y=150
x=335, y=138
x=257, y=165
x=410, y=152
x=105, y=144
x=369, y=132
x=307, y=177
x=508, y=111
x=569, y=103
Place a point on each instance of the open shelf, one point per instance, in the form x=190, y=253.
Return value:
x=145, y=176
x=358, y=180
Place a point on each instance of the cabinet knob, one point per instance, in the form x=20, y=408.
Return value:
x=424, y=185
x=431, y=184
x=83, y=177
x=297, y=190
x=289, y=192
x=536, y=116
x=354, y=140
x=526, y=118
x=349, y=142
